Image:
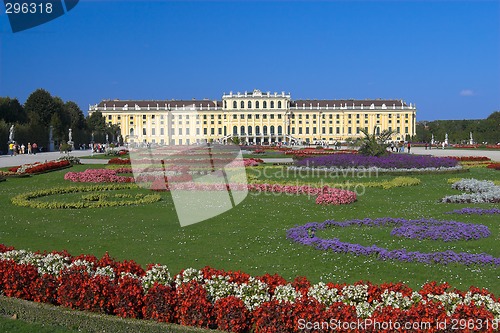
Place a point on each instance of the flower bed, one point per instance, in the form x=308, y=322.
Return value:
x=230, y=300
x=97, y=176
x=119, y=161
x=96, y=200
x=419, y=229
x=392, y=161
x=470, y=158
x=475, y=211
x=40, y=167
x=494, y=166
x=480, y=192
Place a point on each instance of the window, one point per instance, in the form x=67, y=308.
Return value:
x=242, y=130
x=264, y=116
x=242, y=116
x=249, y=116
x=264, y=104
x=205, y=131
x=349, y=116
x=257, y=116
x=280, y=130
x=235, y=105
x=300, y=130
x=144, y=117
x=162, y=131
x=212, y=131
x=307, y=116
x=235, y=130
x=338, y=116
x=257, y=104
x=314, y=130
x=197, y=131
x=272, y=130
x=235, y=116
x=279, y=104
x=307, y=130
x=330, y=130
x=249, y=130
x=143, y=131
x=378, y=115
x=349, y=130
x=406, y=130
x=357, y=116
x=337, y=130
x=211, y=116
x=249, y=104
x=272, y=115
x=357, y=130
x=406, y=115
x=220, y=131
x=279, y=116
x=265, y=130
x=225, y=104
x=242, y=104
x=131, y=132
x=153, y=131
x=109, y=117
x=187, y=131
x=180, y=131
x=272, y=104
x=323, y=130
x=257, y=130
x=219, y=117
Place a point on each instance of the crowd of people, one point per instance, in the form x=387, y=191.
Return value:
x=16, y=149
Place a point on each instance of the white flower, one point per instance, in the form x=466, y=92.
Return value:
x=286, y=293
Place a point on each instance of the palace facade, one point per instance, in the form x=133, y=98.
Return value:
x=256, y=118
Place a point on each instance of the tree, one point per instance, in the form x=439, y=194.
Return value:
x=374, y=144
x=40, y=106
x=11, y=111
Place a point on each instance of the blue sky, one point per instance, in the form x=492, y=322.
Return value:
x=442, y=55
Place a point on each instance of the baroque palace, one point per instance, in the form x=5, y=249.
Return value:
x=256, y=118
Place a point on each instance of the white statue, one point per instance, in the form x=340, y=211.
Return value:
x=471, y=140
x=70, y=136
x=446, y=139
x=11, y=134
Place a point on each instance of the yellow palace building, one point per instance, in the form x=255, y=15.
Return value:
x=256, y=118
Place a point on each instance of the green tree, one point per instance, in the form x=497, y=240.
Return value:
x=40, y=106
x=11, y=111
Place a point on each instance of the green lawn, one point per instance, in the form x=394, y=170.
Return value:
x=8, y=325
x=251, y=237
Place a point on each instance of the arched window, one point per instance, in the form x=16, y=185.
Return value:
x=378, y=130
x=264, y=104
x=249, y=130
x=131, y=132
x=235, y=105
x=242, y=130
x=257, y=130
x=272, y=130
x=235, y=129
x=279, y=104
x=242, y=104
x=265, y=130
x=225, y=130
x=280, y=130
x=272, y=104
x=257, y=104
x=249, y=104
x=225, y=104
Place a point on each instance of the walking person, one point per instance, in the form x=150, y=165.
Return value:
x=409, y=147
x=29, y=148
x=22, y=148
x=34, y=147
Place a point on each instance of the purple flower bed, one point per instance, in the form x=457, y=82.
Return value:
x=396, y=161
x=476, y=211
x=426, y=228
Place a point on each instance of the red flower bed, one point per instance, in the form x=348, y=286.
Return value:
x=470, y=158
x=40, y=167
x=120, y=291
x=119, y=161
x=495, y=166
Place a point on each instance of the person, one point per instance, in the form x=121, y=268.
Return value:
x=409, y=147
x=22, y=148
x=402, y=147
x=443, y=144
x=426, y=144
x=11, y=148
x=29, y=148
x=34, y=147
x=392, y=146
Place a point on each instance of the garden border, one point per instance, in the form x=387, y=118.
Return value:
x=47, y=314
